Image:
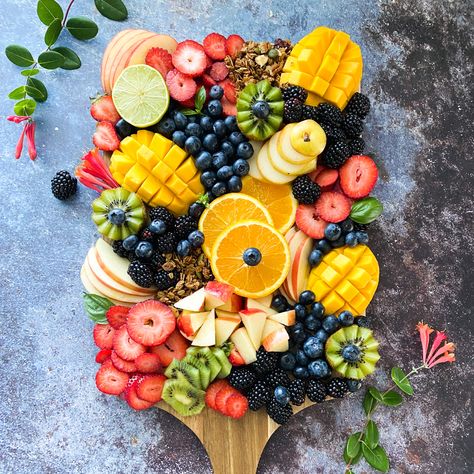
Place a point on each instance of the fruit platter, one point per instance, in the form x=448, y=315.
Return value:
x=231, y=277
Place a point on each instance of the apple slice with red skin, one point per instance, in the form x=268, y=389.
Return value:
x=254, y=321
x=194, y=302
x=217, y=294
x=277, y=341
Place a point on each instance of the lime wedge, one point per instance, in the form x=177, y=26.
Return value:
x=140, y=95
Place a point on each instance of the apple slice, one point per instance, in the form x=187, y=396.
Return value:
x=256, y=304
x=287, y=317
x=220, y=313
x=265, y=300
x=234, y=304
x=286, y=150
x=244, y=345
x=284, y=291
x=254, y=320
x=189, y=323
x=300, y=268
x=157, y=41
x=270, y=326
x=268, y=171
x=285, y=167
x=277, y=341
x=224, y=328
x=194, y=302
x=217, y=294
x=206, y=336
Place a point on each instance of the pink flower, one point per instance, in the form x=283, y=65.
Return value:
x=19, y=145
x=94, y=173
x=30, y=136
x=438, y=353
x=17, y=118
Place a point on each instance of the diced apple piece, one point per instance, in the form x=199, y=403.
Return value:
x=189, y=323
x=206, y=336
x=227, y=314
x=266, y=300
x=287, y=318
x=244, y=345
x=277, y=341
x=254, y=320
x=224, y=328
x=256, y=304
x=194, y=302
x=234, y=304
x=217, y=294
x=270, y=326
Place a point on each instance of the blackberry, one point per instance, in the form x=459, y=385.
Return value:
x=258, y=395
x=63, y=185
x=304, y=190
x=352, y=125
x=266, y=361
x=242, y=378
x=146, y=234
x=279, y=413
x=157, y=259
x=165, y=280
x=332, y=132
x=281, y=43
x=117, y=247
x=294, y=92
x=165, y=243
x=184, y=225
x=309, y=112
x=360, y=227
x=297, y=391
x=277, y=377
x=356, y=146
x=337, y=388
x=162, y=214
x=141, y=274
x=316, y=391
x=358, y=105
x=292, y=111
x=335, y=154
x=328, y=113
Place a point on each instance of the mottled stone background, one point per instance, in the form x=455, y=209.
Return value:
x=418, y=72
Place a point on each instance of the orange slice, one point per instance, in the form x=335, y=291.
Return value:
x=277, y=198
x=227, y=210
x=258, y=280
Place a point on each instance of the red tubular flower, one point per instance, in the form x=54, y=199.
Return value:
x=425, y=332
x=30, y=136
x=17, y=118
x=19, y=145
x=94, y=173
x=438, y=354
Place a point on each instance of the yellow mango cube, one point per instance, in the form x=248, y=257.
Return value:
x=119, y=177
x=135, y=177
x=195, y=185
x=177, y=206
x=285, y=77
x=121, y=162
x=297, y=48
x=328, y=68
x=309, y=60
x=336, y=96
x=359, y=277
x=301, y=79
x=187, y=170
x=313, y=99
x=175, y=157
x=347, y=290
x=146, y=157
x=176, y=184
x=338, y=45
x=149, y=188
x=145, y=137
x=360, y=303
x=330, y=276
x=162, y=198
x=352, y=53
x=162, y=171
x=187, y=195
x=290, y=64
x=332, y=303
x=319, y=86
x=342, y=264
x=342, y=81
x=130, y=146
x=160, y=145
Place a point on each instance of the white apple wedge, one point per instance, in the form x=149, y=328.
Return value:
x=244, y=345
x=206, y=336
x=254, y=321
x=234, y=304
x=220, y=313
x=287, y=317
x=217, y=294
x=189, y=323
x=194, y=302
x=224, y=328
x=256, y=304
x=270, y=326
x=277, y=341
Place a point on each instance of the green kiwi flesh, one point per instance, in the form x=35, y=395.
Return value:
x=182, y=371
x=186, y=399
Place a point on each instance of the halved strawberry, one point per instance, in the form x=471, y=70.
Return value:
x=188, y=103
x=103, y=336
x=227, y=107
x=209, y=62
x=117, y=316
x=149, y=363
x=324, y=177
x=236, y=406
x=150, y=388
x=173, y=348
x=189, y=58
x=105, y=137
x=212, y=392
x=214, y=46
x=358, y=176
x=160, y=59
x=229, y=90
x=208, y=81
x=125, y=346
x=218, y=71
x=110, y=380
x=103, y=110
x=233, y=44
x=235, y=358
x=333, y=207
x=132, y=398
x=122, y=364
x=180, y=86
x=150, y=322
x=308, y=220
x=102, y=356
x=222, y=396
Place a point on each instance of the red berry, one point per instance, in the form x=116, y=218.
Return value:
x=103, y=336
x=229, y=91
x=180, y=86
x=227, y=107
x=132, y=398
x=173, y=348
x=212, y=392
x=308, y=220
x=233, y=44
x=358, y=176
x=325, y=177
x=160, y=59
x=222, y=396
x=190, y=58
x=208, y=81
x=110, y=380
x=149, y=388
x=333, y=207
x=236, y=406
x=103, y=110
x=148, y=363
x=218, y=71
x=102, y=356
x=235, y=358
x=117, y=316
x=214, y=46
x=122, y=364
x=125, y=346
x=105, y=137
x=209, y=62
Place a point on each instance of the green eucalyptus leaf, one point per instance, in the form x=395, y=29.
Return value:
x=112, y=9
x=401, y=381
x=392, y=399
x=36, y=89
x=96, y=307
x=376, y=457
x=200, y=99
x=353, y=445
x=353, y=460
x=50, y=60
x=366, y=210
x=369, y=403
x=375, y=394
x=29, y=72
x=25, y=107
x=82, y=28
x=371, y=435
x=49, y=11
x=19, y=55
x=18, y=93
x=53, y=32
x=71, y=59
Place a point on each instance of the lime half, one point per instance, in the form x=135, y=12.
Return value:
x=140, y=95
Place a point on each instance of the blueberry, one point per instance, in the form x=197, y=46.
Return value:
x=346, y=225
x=224, y=172
x=332, y=232
x=287, y=361
x=157, y=227
x=210, y=142
x=196, y=209
x=179, y=137
x=281, y=395
x=241, y=167
x=300, y=312
x=196, y=238
x=231, y=123
x=183, y=248
x=218, y=160
x=363, y=322
x=236, y=138
x=244, y=150
x=193, y=119
x=298, y=334
x=301, y=372
x=252, y=256
x=313, y=348
x=214, y=107
x=317, y=310
x=362, y=237
x=219, y=128
x=144, y=250
x=319, y=369
x=322, y=335
x=203, y=161
x=312, y=323
x=340, y=242
x=130, y=242
x=315, y=257
x=301, y=357
x=278, y=303
x=351, y=353
x=124, y=129
x=261, y=109
x=219, y=189
x=234, y=184
x=193, y=145
x=346, y=318
x=216, y=92
x=166, y=127
x=206, y=123
x=117, y=216
x=324, y=246
x=180, y=120
x=330, y=324
x=227, y=148
x=306, y=297
x=353, y=385
x=193, y=130
x=208, y=179
x=351, y=239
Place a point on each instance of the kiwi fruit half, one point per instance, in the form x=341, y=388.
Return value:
x=226, y=366
x=182, y=371
x=352, y=352
x=186, y=399
x=205, y=355
x=204, y=371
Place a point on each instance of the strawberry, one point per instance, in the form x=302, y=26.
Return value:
x=324, y=177
x=131, y=396
x=189, y=58
x=110, y=380
x=125, y=346
x=233, y=45
x=219, y=71
x=208, y=81
x=222, y=396
x=149, y=363
x=308, y=220
x=227, y=107
x=122, y=364
x=214, y=46
x=358, y=176
x=102, y=356
x=236, y=406
x=180, y=86
x=209, y=62
x=212, y=392
x=150, y=322
x=103, y=336
x=149, y=388
x=103, y=110
x=235, y=358
x=105, y=137
x=173, y=348
x=190, y=104
x=229, y=90
x=159, y=59
x=117, y=315
x=333, y=207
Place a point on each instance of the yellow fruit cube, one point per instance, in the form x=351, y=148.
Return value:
x=175, y=157
x=120, y=162
x=162, y=171
x=347, y=290
x=160, y=145
x=145, y=137
x=359, y=277
x=328, y=68
x=338, y=45
x=336, y=96
x=130, y=146
x=295, y=52
x=195, y=184
x=177, y=206
x=146, y=157
x=301, y=79
x=319, y=86
x=313, y=99
x=176, y=184
x=119, y=177
x=359, y=303
x=330, y=276
x=149, y=188
x=342, y=264
x=352, y=53
x=354, y=253
x=187, y=195
x=187, y=170
x=135, y=177
x=290, y=64
x=332, y=303
x=286, y=76
x=309, y=60
x=344, y=82
x=162, y=198
x=350, y=68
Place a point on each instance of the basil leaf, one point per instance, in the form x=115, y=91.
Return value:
x=53, y=32
x=29, y=72
x=200, y=99
x=25, y=107
x=376, y=457
x=189, y=112
x=96, y=307
x=112, y=9
x=36, y=89
x=50, y=60
x=392, y=399
x=19, y=55
x=17, y=94
x=400, y=379
x=82, y=28
x=369, y=403
x=353, y=445
x=49, y=11
x=371, y=435
x=366, y=210
x=71, y=59
x=375, y=394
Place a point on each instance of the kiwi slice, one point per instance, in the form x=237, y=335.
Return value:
x=205, y=355
x=118, y=213
x=226, y=366
x=180, y=370
x=260, y=110
x=186, y=399
x=352, y=352
x=204, y=371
